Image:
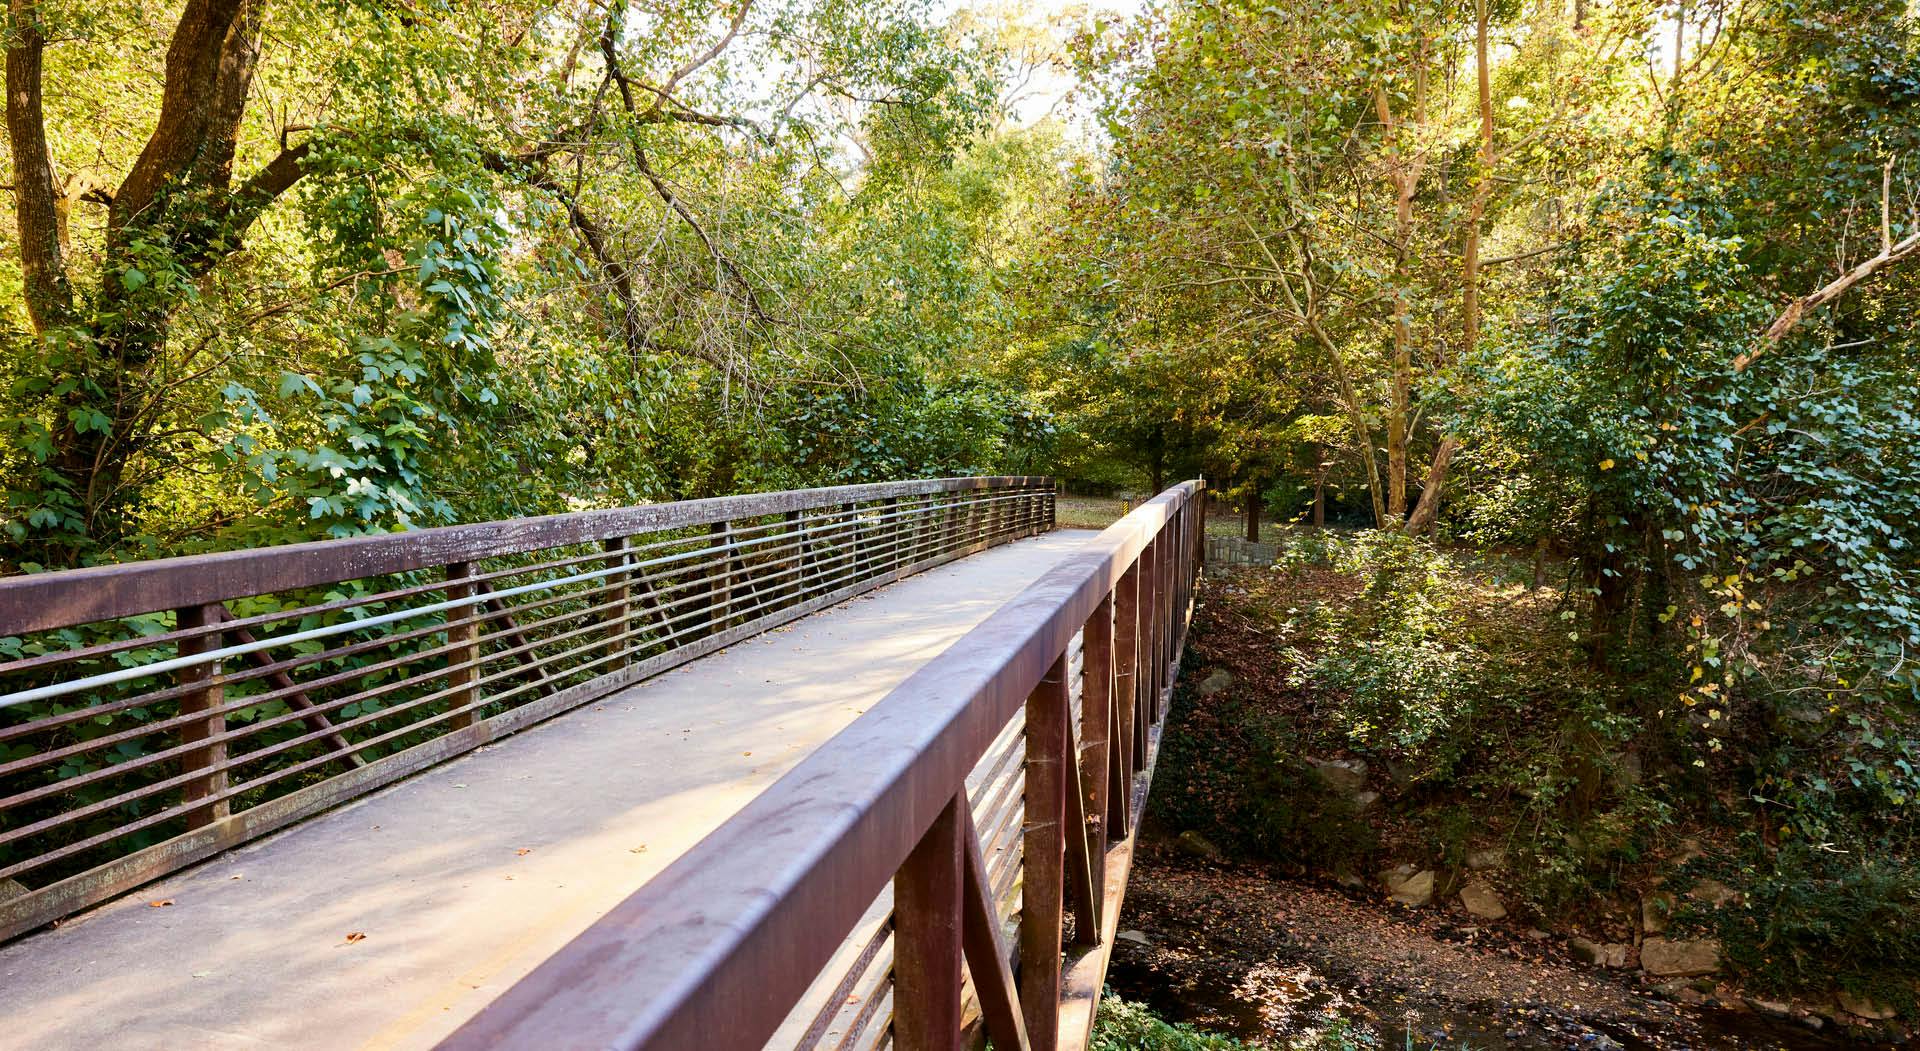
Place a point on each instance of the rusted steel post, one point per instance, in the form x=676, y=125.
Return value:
x=619, y=614
x=1096, y=733
x=720, y=600
x=1200, y=527
x=1149, y=635
x=896, y=532
x=1127, y=731
x=463, y=648
x=1163, y=561
x=847, y=544
x=797, y=559
x=1043, y=860
x=927, y=946
x=206, y=698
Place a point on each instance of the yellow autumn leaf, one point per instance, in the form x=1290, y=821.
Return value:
x=1606, y=465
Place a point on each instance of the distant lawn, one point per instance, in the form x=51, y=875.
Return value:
x=1099, y=512
x=1088, y=512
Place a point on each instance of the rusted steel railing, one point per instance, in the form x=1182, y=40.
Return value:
x=154, y=713
x=949, y=865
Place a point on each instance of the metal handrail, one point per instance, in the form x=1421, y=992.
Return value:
x=716, y=950
x=39, y=601
x=132, y=753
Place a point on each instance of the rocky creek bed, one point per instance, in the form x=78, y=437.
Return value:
x=1234, y=948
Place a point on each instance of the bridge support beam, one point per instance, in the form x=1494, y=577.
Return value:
x=1043, y=857
x=927, y=936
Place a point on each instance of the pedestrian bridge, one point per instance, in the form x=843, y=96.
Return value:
x=834, y=768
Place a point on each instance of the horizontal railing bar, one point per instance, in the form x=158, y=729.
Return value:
x=212, y=655
x=353, y=673
x=327, y=707
x=822, y=527
x=79, y=596
x=834, y=574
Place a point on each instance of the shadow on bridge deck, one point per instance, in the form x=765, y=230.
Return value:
x=389, y=921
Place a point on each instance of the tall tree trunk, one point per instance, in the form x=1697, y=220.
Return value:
x=1405, y=171
x=1253, y=512
x=1428, y=510
x=36, y=200
x=177, y=199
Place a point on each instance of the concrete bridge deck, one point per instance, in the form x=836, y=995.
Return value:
x=389, y=921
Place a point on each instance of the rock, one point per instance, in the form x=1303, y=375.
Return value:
x=1680, y=991
x=1654, y=912
x=1346, y=776
x=1218, y=679
x=1415, y=889
x=1863, y=1007
x=1625, y=769
x=1195, y=845
x=1771, y=1007
x=1713, y=892
x=1490, y=858
x=1679, y=957
x=1536, y=934
x=1611, y=954
x=1363, y=800
x=1136, y=937
x=1481, y=900
x=1689, y=851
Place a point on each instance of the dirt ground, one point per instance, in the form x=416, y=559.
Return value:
x=1232, y=948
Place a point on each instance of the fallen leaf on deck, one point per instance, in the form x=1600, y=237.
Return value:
x=356, y=936
x=160, y=904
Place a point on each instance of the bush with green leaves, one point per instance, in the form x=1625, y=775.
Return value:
x=1123, y=1026
x=1816, y=919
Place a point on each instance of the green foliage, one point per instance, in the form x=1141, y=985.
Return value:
x=1816, y=919
x=1123, y=1026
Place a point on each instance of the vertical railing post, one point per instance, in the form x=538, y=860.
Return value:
x=950, y=538
x=463, y=648
x=1043, y=859
x=1096, y=736
x=797, y=571
x=1149, y=633
x=206, y=698
x=927, y=936
x=619, y=613
x=847, y=559
x=896, y=532
x=720, y=602
x=1130, y=731
x=1200, y=526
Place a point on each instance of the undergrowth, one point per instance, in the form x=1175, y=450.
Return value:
x=1123, y=1026
x=1469, y=693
